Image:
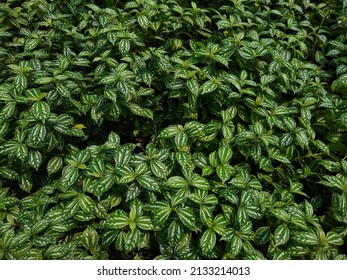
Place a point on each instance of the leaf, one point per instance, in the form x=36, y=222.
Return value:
x=247, y=53
x=56, y=251
x=174, y=232
x=124, y=46
x=331, y=165
x=112, y=37
x=235, y=245
x=132, y=240
x=159, y=169
x=143, y=21
x=306, y=238
x=144, y=223
x=37, y=135
x=138, y=110
x=170, y=131
x=86, y=203
x=25, y=184
x=54, y=165
x=193, y=86
x=40, y=110
x=187, y=217
x=262, y=235
x=225, y=153
x=208, y=86
x=200, y=182
x=333, y=238
x=69, y=175
x=208, y=241
x=35, y=159
x=181, y=139
x=20, y=83
x=21, y=151
x=118, y=219
x=223, y=172
x=90, y=238
x=161, y=212
x=70, y=209
x=176, y=182
x=281, y=235
x=148, y=183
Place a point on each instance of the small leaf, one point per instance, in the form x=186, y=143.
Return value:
x=54, y=165
x=148, y=183
x=281, y=235
x=225, y=153
x=144, y=223
x=208, y=241
x=235, y=245
x=187, y=217
x=118, y=219
x=159, y=169
x=208, y=86
x=177, y=182
x=86, y=203
x=306, y=238
x=40, y=110
x=200, y=182
x=138, y=110
x=90, y=238
x=35, y=159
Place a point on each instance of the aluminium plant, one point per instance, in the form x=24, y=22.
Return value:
x=154, y=129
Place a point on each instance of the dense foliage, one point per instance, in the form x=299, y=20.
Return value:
x=155, y=129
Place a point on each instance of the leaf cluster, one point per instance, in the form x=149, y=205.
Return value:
x=154, y=129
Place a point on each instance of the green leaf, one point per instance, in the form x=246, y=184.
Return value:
x=54, y=165
x=70, y=209
x=181, y=139
x=170, y=131
x=262, y=235
x=69, y=175
x=35, y=159
x=112, y=37
x=235, y=245
x=175, y=232
x=132, y=240
x=333, y=238
x=281, y=235
x=118, y=219
x=20, y=83
x=159, y=169
x=143, y=21
x=148, y=183
x=223, y=172
x=187, y=217
x=40, y=110
x=140, y=111
x=208, y=241
x=225, y=153
x=161, y=212
x=124, y=46
x=21, y=151
x=208, y=86
x=90, y=238
x=193, y=86
x=56, y=251
x=306, y=238
x=331, y=165
x=37, y=135
x=86, y=203
x=144, y=223
x=177, y=182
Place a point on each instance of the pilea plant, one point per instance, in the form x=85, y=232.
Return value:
x=155, y=129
